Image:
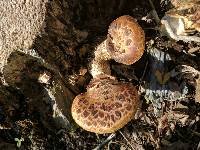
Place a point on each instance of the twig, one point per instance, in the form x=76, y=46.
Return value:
x=144, y=72
x=154, y=13
x=110, y=137
x=127, y=141
x=198, y=147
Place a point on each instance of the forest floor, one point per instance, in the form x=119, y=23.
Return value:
x=169, y=117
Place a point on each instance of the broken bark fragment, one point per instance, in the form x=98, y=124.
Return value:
x=21, y=21
x=51, y=99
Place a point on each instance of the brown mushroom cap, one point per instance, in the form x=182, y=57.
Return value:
x=106, y=106
x=126, y=40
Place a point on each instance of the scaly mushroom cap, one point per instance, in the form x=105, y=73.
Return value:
x=126, y=40
x=106, y=106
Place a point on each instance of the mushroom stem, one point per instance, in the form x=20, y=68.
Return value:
x=100, y=64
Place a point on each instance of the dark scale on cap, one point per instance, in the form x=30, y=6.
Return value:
x=127, y=32
x=108, y=124
x=112, y=118
x=107, y=116
x=106, y=92
x=85, y=102
x=103, y=107
x=108, y=108
x=78, y=111
x=128, y=42
x=98, y=86
x=101, y=114
x=122, y=110
x=110, y=46
x=96, y=116
x=122, y=89
x=94, y=112
x=117, y=49
x=128, y=100
x=88, y=123
x=123, y=51
x=118, y=114
x=106, y=97
x=81, y=101
x=118, y=105
x=95, y=123
x=120, y=97
x=85, y=113
x=106, y=87
x=102, y=123
x=82, y=115
x=91, y=107
x=99, y=105
x=112, y=105
x=128, y=107
x=125, y=94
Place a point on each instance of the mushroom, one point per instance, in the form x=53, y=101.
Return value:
x=125, y=44
x=108, y=105
x=125, y=40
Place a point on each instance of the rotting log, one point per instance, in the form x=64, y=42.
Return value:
x=20, y=22
x=43, y=89
x=37, y=50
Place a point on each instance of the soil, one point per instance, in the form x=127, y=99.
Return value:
x=28, y=117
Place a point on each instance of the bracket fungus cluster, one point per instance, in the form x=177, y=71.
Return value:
x=108, y=104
